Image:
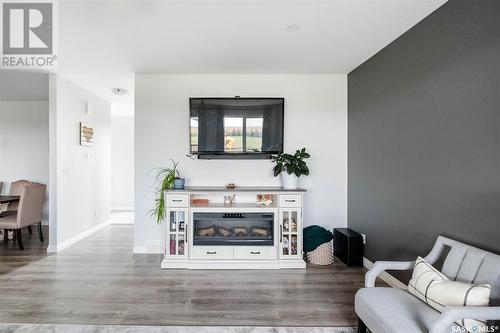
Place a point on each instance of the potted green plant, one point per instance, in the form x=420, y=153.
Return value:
x=291, y=167
x=165, y=179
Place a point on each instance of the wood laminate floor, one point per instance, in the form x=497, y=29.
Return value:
x=100, y=281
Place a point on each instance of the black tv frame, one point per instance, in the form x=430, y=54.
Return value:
x=237, y=156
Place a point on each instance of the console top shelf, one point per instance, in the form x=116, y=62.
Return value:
x=251, y=189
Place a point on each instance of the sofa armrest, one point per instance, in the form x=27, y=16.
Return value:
x=381, y=266
x=454, y=313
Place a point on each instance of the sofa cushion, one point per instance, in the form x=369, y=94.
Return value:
x=386, y=310
x=435, y=289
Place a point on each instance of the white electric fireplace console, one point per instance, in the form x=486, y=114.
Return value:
x=204, y=232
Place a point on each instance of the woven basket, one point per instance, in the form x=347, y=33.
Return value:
x=323, y=255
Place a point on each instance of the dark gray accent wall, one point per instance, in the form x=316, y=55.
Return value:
x=424, y=135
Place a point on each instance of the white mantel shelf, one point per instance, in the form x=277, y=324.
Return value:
x=249, y=189
x=185, y=250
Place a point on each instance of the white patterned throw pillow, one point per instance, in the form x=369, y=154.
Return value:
x=435, y=289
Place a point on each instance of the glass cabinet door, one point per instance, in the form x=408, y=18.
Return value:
x=289, y=238
x=176, y=246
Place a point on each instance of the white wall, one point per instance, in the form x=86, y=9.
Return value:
x=24, y=144
x=122, y=163
x=315, y=117
x=81, y=174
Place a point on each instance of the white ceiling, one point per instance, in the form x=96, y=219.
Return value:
x=103, y=43
x=23, y=86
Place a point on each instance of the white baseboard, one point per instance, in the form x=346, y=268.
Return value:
x=122, y=209
x=123, y=217
x=142, y=249
x=129, y=221
x=79, y=237
x=386, y=277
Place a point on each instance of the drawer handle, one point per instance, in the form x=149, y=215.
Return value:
x=176, y=200
x=251, y=252
x=288, y=200
x=209, y=252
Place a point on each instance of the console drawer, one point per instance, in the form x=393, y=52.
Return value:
x=255, y=252
x=212, y=252
x=290, y=200
x=177, y=200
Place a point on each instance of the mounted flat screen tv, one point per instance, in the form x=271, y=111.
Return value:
x=241, y=128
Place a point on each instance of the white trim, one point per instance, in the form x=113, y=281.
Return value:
x=51, y=249
x=122, y=209
x=123, y=222
x=140, y=249
x=386, y=277
x=123, y=217
x=75, y=239
x=232, y=264
x=143, y=249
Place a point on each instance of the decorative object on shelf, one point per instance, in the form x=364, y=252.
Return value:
x=231, y=186
x=293, y=245
x=291, y=167
x=173, y=223
x=86, y=135
x=200, y=202
x=181, y=247
x=179, y=183
x=164, y=180
x=264, y=199
x=290, y=225
x=285, y=245
x=229, y=199
x=172, y=246
x=318, y=245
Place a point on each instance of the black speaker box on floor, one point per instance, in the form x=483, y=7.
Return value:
x=348, y=246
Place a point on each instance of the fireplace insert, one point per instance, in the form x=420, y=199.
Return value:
x=233, y=228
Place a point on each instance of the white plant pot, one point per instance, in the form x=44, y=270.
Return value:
x=289, y=182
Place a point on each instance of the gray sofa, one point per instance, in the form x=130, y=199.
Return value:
x=387, y=310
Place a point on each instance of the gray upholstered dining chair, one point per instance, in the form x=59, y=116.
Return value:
x=16, y=188
x=29, y=212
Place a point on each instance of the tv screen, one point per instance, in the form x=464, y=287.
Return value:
x=236, y=127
